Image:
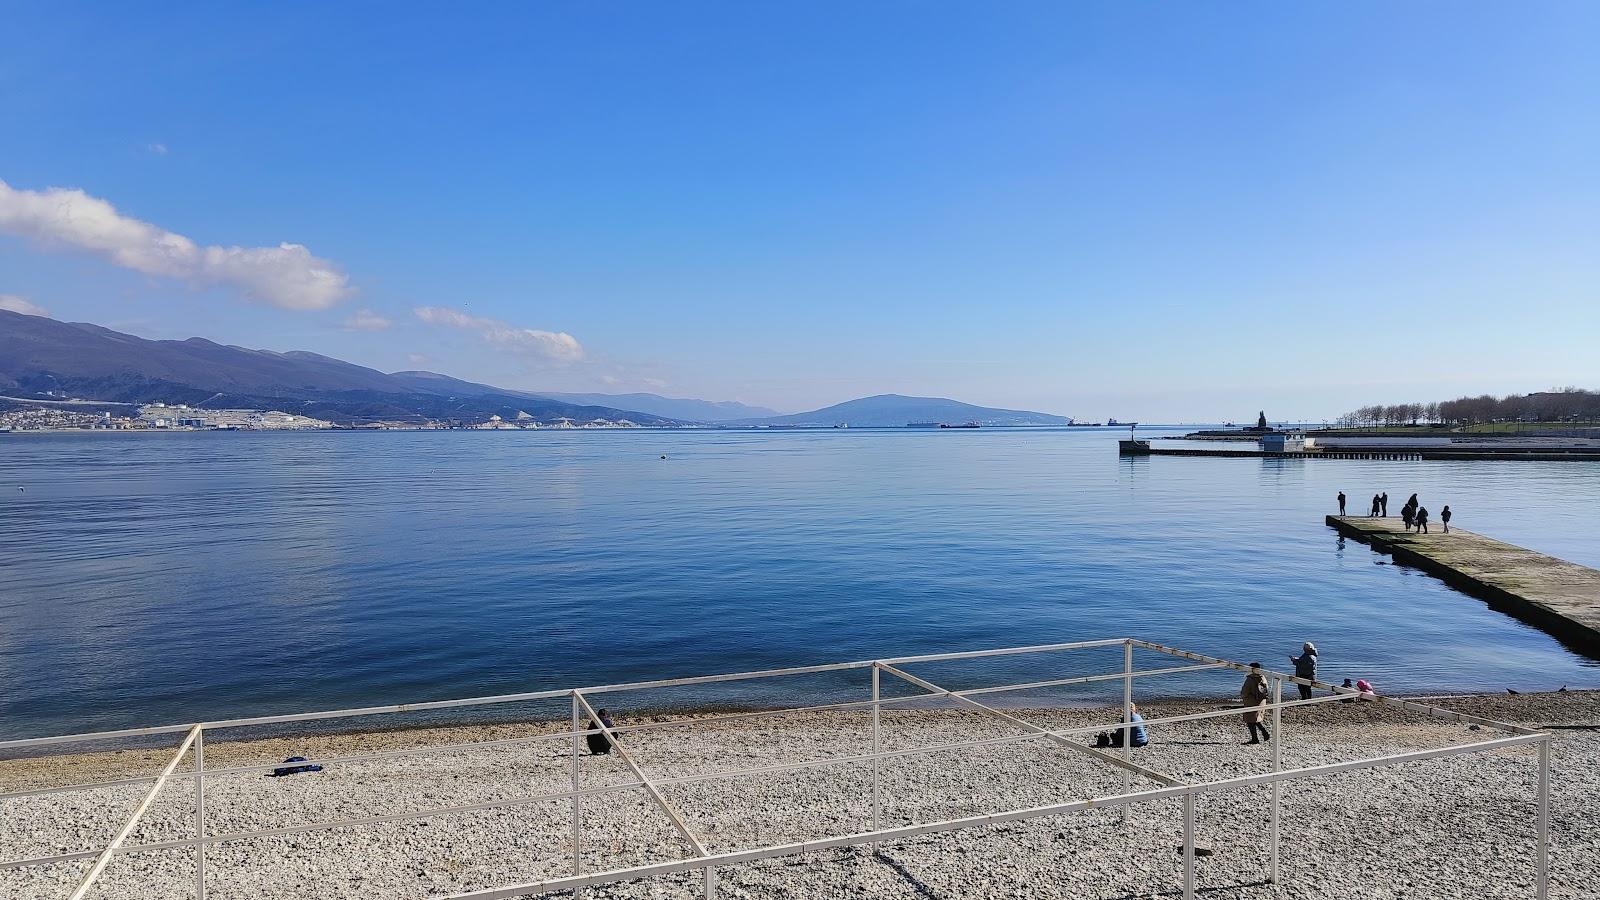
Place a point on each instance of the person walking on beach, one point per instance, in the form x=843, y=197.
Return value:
x=1305, y=666
x=1444, y=518
x=1341, y=503
x=1383, y=504
x=1254, y=694
x=1422, y=519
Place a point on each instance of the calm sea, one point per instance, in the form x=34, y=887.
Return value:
x=148, y=579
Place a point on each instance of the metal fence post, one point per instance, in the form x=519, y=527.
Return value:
x=1188, y=845
x=1544, y=819
x=200, y=813
x=877, y=747
x=1127, y=732
x=1277, y=765
x=711, y=883
x=577, y=801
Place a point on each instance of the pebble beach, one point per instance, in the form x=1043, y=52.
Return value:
x=1457, y=826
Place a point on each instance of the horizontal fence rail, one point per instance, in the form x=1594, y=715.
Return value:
x=703, y=859
x=470, y=746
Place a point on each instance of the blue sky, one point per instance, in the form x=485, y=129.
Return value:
x=1169, y=212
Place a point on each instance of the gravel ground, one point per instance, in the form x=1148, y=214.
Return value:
x=1461, y=826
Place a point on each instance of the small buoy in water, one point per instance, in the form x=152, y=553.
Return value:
x=663, y=456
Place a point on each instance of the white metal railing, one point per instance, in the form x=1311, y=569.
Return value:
x=706, y=861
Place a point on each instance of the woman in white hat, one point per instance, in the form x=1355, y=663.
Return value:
x=1305, y=666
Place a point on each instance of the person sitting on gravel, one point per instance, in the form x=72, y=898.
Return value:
x=599, y=744
x=1113, y=738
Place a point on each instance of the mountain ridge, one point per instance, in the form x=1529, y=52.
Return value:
x=40, y=355
x=898, y=410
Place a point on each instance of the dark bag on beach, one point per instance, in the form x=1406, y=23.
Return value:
x=290, y=770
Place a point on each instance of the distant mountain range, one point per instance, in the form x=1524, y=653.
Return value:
x=42, y=358
x=895, y=410
x=39, y=355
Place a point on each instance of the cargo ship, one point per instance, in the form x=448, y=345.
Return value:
x=962, y=425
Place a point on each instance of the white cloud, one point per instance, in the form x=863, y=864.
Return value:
x=367, y=320
x=419, y=359
x=158, y=149
x=17, y=304
x=557, y=346
x=286, y=275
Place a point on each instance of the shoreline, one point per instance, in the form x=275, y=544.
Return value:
x=318, y=728
x=1521, y=708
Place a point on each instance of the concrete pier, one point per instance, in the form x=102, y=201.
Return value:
x=1560, y=597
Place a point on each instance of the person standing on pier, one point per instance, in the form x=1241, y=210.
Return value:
x=1305, y=666
x=1383, y=504
x=1341, y=503
x=1444, y=518
x=1406, y=512
x=1422, y=519
x=1374, y=505
x=1254, y=694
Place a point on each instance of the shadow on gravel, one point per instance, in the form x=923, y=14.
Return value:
x=916, y=883
x=1178, y=892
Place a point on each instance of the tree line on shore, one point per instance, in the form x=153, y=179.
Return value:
x=1568, y=404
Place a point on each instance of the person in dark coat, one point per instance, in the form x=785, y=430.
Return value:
x=1341, y=503
x=1305, y=666
x=1383, y=504
x=1374, y=505
x=1444, y=518
x=599, y=744
x=1254, y=694
x=1422, y=519
x=1406, y=512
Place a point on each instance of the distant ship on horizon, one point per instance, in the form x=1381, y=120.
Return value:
x=1111, y=422
x=962, y=425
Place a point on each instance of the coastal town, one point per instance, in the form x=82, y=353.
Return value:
x=179, y=417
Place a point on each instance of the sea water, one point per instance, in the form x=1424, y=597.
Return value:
x=154, y=578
